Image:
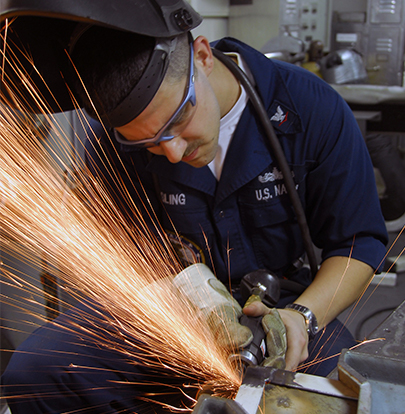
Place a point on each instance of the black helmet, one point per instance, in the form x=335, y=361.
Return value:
x=39, y=31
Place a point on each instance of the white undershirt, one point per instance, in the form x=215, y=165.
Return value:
x=228, y=124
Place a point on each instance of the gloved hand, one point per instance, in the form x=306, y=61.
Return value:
x=222, y=313
x=218, y=307
x=273, y=327
x=276, y=339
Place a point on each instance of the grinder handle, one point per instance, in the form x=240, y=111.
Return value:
x=255, y=352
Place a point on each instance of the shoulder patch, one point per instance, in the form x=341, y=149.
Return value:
x=284, y=119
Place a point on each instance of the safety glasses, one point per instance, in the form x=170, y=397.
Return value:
x=165, y=133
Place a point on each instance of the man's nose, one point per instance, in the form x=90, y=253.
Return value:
x=174, y=149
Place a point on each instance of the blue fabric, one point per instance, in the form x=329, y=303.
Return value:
x=246, y=218
x=241, y=223
x=71, y=364
x=325, y=349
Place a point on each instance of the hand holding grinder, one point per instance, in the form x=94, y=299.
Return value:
x=260, y=340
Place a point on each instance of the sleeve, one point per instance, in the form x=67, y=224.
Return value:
x=342, y=204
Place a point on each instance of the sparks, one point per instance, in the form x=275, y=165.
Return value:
x=98, y=253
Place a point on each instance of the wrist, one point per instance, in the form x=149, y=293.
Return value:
x=311, y=322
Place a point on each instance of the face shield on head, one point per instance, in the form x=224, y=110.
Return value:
x=40, y=33
x=143, y=91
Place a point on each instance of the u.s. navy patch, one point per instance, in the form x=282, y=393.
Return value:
x=187, y=251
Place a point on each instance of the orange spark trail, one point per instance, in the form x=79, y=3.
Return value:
x=100, y=255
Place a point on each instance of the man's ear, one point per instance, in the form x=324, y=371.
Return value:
x=203, y=55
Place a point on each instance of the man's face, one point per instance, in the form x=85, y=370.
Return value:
x=195, y=129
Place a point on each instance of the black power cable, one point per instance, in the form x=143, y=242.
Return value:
x=278, y=154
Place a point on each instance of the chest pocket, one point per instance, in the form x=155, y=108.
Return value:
x=191, y=222
x=186, y=217
x=269, y=218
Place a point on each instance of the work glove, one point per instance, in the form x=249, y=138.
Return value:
x=276, y=339
x=220, y=310
x=276, y=335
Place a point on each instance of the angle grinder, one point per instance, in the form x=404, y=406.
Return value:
x=259, y=285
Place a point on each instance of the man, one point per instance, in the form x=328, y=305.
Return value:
x=193, y=142
x=239, y=203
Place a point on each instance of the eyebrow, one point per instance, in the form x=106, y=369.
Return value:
x=173, y=122
x=180, y=115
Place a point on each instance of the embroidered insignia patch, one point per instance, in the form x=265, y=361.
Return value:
x=279, y=116
x=187, y=251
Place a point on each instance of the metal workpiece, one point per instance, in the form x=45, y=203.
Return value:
x=208, y=404
x=288, y=392
x=376, y=369
x=282, y=400
x=379, y=382
x=247, y=400
x=369, y=379
x=388, y=339
x=270, y=390
x=250, y=393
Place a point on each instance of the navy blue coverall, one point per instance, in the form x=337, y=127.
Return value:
x=241, y=223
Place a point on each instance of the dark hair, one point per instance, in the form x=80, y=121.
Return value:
x=110, y=63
